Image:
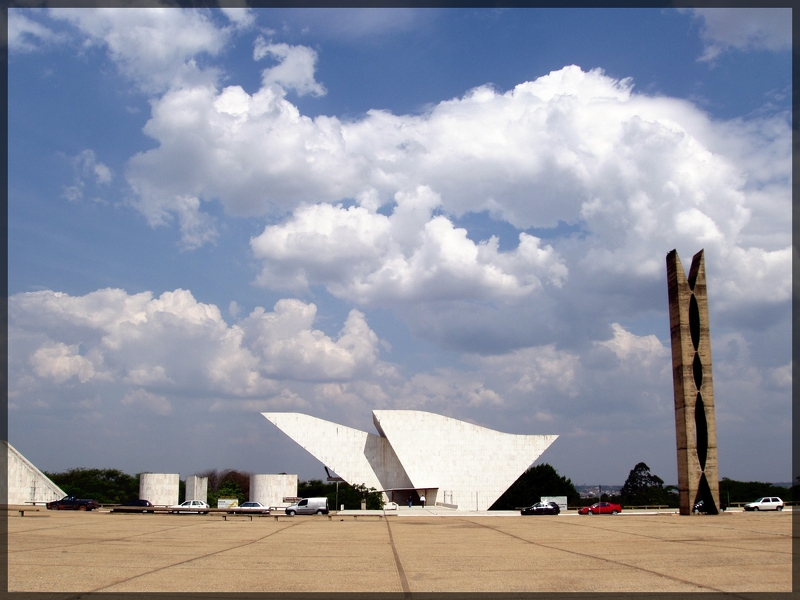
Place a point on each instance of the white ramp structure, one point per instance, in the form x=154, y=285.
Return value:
x=27, y=484
x=451, y=462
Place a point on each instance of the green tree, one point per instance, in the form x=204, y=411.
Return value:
x=107, y=486
x=731, y=490
x=315, y=488
x=371, y=495
x=227, y=489
x=644, y=488
x=229, y=483
x=538, y=481
x=350, y=496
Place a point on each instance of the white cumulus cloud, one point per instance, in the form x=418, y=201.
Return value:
x=535, y=371
x=142, y=399
x=287, y=346
x=174, y=343
x=26, y=34
x=639, y=175
x=295, y=69
x=241, y=17
x=636, y=351
x=408, y=256
x=156, y=47
x=744, y=29
x=86, y=167
x=61, y=363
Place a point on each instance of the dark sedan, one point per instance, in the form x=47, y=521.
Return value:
x=73, y=503
x=541, y=508
x=134, y=503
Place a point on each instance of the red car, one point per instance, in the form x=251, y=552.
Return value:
x=601, y=508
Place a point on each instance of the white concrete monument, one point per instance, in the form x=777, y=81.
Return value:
x=26, y=484
x=418, y=453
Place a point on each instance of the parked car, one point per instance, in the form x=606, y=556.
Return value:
x=308, y=506
x=541, y=508
x=190, y=506
x=601, y=508
x=138, y=503
x=766, y=503
x=249, y=507
x=73, y=503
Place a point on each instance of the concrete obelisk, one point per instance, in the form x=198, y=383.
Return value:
x=695, y=423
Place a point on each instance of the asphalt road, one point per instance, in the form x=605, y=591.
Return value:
x=61, y=552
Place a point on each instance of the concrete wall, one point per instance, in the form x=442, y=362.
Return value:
x=159, y=488
x=196, y=488
x=270, y=490
x=26, y=483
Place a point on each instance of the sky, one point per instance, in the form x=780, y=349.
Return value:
x=217, y=213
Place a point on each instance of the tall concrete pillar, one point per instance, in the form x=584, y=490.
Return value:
x=197, y=488
x=695, y=422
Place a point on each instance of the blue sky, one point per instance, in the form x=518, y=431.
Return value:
x=466, y=211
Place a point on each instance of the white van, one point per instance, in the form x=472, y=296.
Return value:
x=308, y=506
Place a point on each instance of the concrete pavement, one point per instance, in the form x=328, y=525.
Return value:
x=57, y=552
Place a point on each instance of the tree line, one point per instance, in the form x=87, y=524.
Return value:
x=641, y=488
x=112, y=486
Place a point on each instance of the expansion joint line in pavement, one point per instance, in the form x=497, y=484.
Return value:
x=94, y=543
x=400, y=572
x=188, y=560
x=608, y=560
x=698, y=542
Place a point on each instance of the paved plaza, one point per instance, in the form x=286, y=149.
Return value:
x=413, y=552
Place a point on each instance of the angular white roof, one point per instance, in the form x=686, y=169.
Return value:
x=445, y=453
x=354, y=455
x=461, y=463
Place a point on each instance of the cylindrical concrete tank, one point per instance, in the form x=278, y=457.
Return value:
x=159, y=488
x=270, y=490
x=197, y=488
